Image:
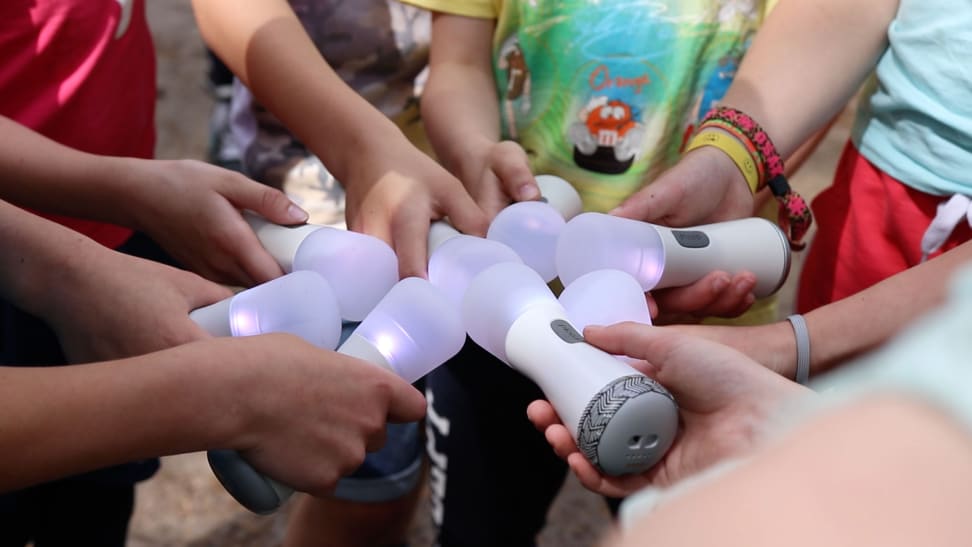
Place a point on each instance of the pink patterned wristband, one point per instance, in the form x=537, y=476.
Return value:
x=795, y=216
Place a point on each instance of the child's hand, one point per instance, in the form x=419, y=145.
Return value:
x=109, y=305
x=725, y=401
x=497, y=175
x=395, y=192
x=718, y=294
x=306, y=416
x=704, y=186
x=192, y=209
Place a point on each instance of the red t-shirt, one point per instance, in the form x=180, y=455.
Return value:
x=81, y=72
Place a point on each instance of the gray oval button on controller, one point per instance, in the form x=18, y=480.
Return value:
x=691, y=239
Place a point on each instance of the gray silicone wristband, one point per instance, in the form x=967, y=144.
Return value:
x=802, y=347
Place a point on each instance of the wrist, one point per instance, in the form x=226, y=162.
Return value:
x=245, y=384
x=722, y=167
x=779, y=347
x=63, y=280
x=359, y=142
x=794, y=214
x=115, y=189
x=733, y=148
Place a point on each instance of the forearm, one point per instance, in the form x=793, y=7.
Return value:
x=268, y=49
x=58, y=421
x=39, y=173
x=806, y=62
x=37, y=254
x=858, y=323
x=459, y=103
x=833, y=480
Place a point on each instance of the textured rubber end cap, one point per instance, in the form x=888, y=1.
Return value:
x=628, y=426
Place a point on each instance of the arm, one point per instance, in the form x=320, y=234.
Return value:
x=393, y=189
x=188, y=207
x=804, y=65
x=102, y=304
x=828, y=47
x=303, y=415
x=726, y=401
x=460, y=109
x=839, y=479
x=849, y=327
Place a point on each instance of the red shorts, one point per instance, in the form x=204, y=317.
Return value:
x=869, y=227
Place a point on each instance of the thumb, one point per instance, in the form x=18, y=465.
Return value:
x=635, y=340
x=264, y=200
x=658, y=202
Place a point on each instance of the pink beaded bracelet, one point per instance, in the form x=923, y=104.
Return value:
x=795, y=216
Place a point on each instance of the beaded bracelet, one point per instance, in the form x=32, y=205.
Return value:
x=795, y=216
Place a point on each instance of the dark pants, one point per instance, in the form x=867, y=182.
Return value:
x=492, y=475
x=67, y=513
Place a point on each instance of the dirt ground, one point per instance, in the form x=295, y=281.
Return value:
x=184, y=505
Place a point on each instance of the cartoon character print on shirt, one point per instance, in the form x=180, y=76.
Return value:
x=601, y=91
x=608, y=136
x=513, y=62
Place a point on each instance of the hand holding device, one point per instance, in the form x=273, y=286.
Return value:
x=622, y=421
x=360, y=268
x=660, y=257
x=526, y=233
x=531, y=228
x=412, y=330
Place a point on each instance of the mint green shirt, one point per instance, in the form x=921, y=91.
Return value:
x=916, y=126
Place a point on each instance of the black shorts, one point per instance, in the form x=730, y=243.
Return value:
x=492, y=475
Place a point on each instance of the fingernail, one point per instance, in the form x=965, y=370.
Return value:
x=720, y=283
x=744, y=285
x=527, y=192
x=296, y=213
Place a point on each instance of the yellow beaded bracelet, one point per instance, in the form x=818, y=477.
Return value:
x=733, y=148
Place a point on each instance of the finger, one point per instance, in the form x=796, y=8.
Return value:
x=658, y=202
x=255, y=262
x=560, y=440
x=627, y=338
x=735, y=299
x=542, y=414
x=589, y=477
x=406, y=403
x=652, y=305
x=375, y=441
x=717, y=294
x=464, y=214
x=594, y=480
x=509, y=163
x=411, y=244
x=268, y=202
x=489, y=194
x=654, y=346
x=695, y=297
